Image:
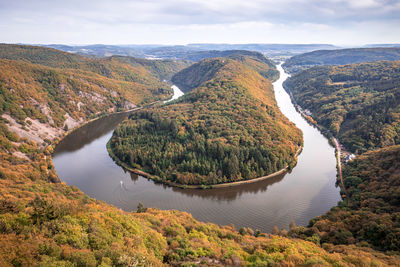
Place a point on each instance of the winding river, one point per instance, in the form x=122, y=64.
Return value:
x=81, y=160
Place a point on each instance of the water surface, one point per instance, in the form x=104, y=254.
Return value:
x=81, y=159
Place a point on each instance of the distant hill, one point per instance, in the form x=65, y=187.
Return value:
x=181, y=51
x=266, y=48
x=340, y=57
x=111, y=67
x=100, y=50
x=200, y=55
x=359, y=103
x=163, y=69
x=227, y=128
x=195, y=75
x=382, y=45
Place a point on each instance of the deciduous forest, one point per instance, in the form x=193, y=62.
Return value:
x=359, y=104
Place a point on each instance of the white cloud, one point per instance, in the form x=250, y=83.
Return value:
x=364, y=4
x=183, y=21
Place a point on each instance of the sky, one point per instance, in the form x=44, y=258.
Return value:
x=339, y=22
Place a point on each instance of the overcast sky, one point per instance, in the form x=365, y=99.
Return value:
x=341, y=22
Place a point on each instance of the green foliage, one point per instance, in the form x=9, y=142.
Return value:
x=141, y=208
x=373, y=218
x=219, y=132
x=360, y=104
x=52, y=224
x=44, y=211
x=195, y=75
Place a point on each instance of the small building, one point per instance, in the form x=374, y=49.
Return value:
x=349, y=157
x=307, y=112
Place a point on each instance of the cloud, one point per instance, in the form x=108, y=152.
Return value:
x=207, y=20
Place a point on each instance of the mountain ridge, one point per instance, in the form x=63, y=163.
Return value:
x=340, y=57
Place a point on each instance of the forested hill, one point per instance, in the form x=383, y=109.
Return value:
x=340, y=57
x=195, y=75
x=45, y=92
x=372, y=219
x=191, y=77
x=163, y=69
x=358, y=103
x=116, y=67
x=235, y=54
x=227, y=129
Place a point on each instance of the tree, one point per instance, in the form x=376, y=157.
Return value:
x=292, y=226
x=141, y=208
x=275, y=230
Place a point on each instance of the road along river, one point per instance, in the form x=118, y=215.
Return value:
x=81, y=160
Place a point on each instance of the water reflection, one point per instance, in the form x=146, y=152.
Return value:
x=89, y=132
x=231, y=193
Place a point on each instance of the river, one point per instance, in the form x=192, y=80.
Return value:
x=81, y=160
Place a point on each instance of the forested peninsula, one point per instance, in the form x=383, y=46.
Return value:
x=228, y=128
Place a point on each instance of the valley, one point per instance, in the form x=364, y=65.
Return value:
x=46, y=221
x=308, y=194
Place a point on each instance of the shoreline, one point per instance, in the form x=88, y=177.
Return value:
x=57, y=140
x=223, y=185
x=332, y=140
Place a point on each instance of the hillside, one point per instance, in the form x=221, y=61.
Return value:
x=45, y=92
x=44, y=222
x=340, y=57
x=162, y=69
x=195, y=75
x=227, y=129
x=235, y=54
x=117, y=67
x=372, y=181
x=359, y=103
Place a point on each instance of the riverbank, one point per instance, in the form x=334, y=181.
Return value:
x=332, y=140
x=223, y=185
x=56, y=141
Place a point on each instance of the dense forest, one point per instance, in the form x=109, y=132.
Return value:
x=340, y=57
x=227, y=129
x=360, y=103
x=372, y=219
x=44, y=222
x=195, y=75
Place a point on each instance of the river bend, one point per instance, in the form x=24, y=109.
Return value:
x=81, y=160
